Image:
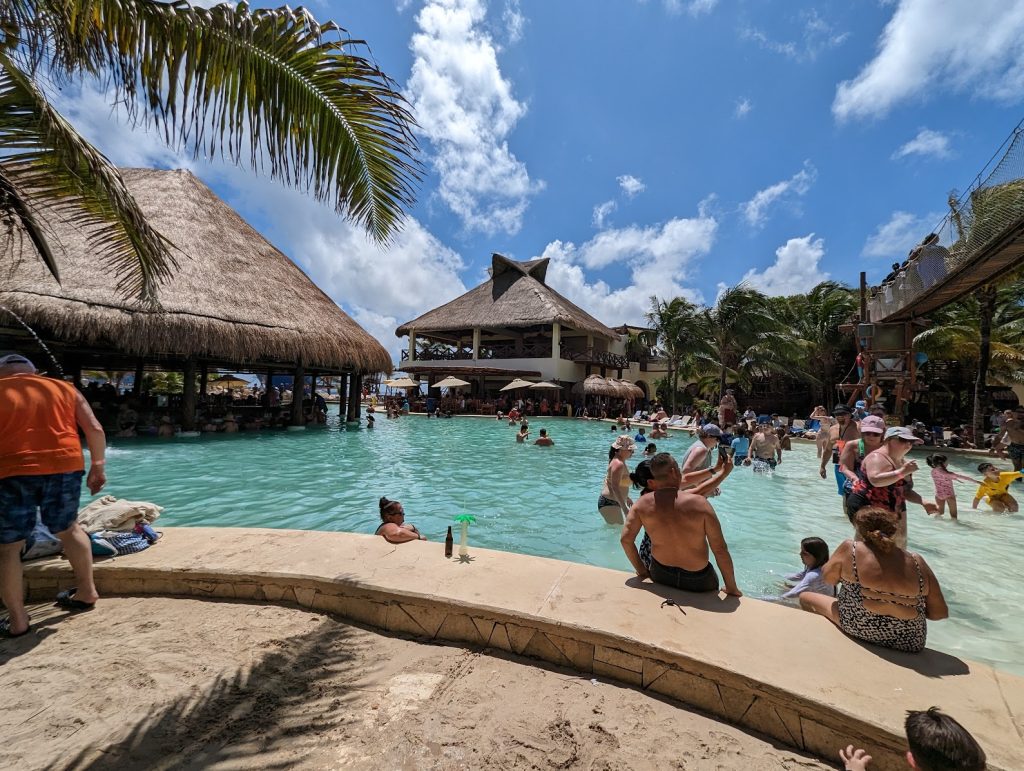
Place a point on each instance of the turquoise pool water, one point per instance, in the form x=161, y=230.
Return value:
x=542, y=501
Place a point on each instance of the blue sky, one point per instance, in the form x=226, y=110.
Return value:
x=648, y=146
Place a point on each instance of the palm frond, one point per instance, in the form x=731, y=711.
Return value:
x=263, y=87
x=49, y=167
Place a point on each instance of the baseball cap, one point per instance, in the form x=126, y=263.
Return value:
x=872, y=424
x=901, y=432
x=14, y=358
x=841, y=409
x=711, y=430
x=861, y=404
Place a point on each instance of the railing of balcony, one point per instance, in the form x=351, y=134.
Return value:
x=541, y=350
x=590, y=356
x=440, y=355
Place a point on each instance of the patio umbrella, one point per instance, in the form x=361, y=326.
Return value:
x=403, y=382
x=545, y=385
x=517, y=383
x=450, y=382
x=230, y=381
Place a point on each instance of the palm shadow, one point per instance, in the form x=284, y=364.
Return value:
x=295, y=693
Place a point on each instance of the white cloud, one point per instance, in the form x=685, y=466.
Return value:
x=466, y=109
x=743, y=108
x=658, y=258
x=380, y=287
x=816, y=37
x=756, y=209
x=895, y=238
x=927, y=142
x=795, y=268
x=630, y=185
x=693, y=7
x=601, y=212
x=935, y=46
x=514, y=21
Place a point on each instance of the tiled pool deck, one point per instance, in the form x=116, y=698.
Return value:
x=773, y=669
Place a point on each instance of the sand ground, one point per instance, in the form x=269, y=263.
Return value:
x=161, y=683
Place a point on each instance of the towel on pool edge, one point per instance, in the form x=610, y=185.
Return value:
x=111, y=513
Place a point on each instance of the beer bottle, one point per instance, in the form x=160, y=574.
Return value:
x=449, y=543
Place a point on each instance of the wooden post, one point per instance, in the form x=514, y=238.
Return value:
x=556, y=341
x=412, y=345
x=188, y=399
x=298, y=387
x=476, y=343
x=863, y=297
x=266, y=393
x=342, y=395
x=354, y=387
x=312, y=382
x=140, y=373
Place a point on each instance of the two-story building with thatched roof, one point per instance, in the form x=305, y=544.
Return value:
x=515, y=325
x=234, y=301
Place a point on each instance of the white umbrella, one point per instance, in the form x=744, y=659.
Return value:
x=403, y=382
x=450, y=382
x=545, y=385
x=518, y=383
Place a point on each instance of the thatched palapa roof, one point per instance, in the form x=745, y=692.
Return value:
x=514, y=296
x=233, y=298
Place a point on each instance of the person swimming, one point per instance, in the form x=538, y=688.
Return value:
x=393, y=526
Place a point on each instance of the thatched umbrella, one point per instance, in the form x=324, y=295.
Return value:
x=450, y=382
x=233, y=297
x=595, y=385
x=516, y=384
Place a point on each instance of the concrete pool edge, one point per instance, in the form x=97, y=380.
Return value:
x=808, y=686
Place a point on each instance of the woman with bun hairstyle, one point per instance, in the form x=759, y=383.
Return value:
x=887, y=594
x=393, y=525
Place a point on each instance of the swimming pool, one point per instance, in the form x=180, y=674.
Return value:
x=542, y=501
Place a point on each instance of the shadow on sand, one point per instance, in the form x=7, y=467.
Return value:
x=296, y=692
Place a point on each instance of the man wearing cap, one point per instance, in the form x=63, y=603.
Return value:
x=860, y=410
x=842, y=431
x=1012, y=429
x=41, y=469
x=698, y=456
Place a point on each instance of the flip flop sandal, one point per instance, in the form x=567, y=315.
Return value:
x=66, y=599
x=5, y=630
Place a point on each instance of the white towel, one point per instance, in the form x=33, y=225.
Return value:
x=110, y=513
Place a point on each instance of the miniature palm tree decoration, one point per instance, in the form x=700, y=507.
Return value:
x=464, y=521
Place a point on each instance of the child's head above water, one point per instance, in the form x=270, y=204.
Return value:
x=815, y=551
x=987, y=468
x=937, y=460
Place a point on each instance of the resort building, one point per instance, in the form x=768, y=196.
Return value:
x=233, y=302
x=515, y=326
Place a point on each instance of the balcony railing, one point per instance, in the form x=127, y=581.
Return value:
x=590, y=356
x=541, y=350
x=429, y=355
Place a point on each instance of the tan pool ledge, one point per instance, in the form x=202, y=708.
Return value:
x=773, y=669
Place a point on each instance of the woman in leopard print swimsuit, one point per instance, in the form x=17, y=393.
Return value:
x=887, y=594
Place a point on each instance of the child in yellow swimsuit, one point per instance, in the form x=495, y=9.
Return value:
x=995, y=488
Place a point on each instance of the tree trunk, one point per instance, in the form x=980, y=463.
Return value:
x=721, y=382
x=987, y=305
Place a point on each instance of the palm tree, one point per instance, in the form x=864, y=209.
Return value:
x=744, y=339
x=677, y=325
x=815, y=319
x=984, y=331
x=270, y=88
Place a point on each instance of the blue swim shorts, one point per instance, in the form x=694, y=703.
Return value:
x=54, y=496
x=841, y=479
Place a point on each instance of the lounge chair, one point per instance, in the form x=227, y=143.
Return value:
x=797, y=429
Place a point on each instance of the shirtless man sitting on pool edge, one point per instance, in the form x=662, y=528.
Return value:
x=682, y=526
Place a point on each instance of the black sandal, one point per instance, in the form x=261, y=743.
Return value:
x=5, y=630
x=66, y=599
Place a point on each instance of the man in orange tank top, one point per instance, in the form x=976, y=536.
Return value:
x=41, y=470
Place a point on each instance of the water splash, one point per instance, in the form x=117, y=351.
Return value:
x=38, y=339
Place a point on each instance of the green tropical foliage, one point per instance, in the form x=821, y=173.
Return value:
x=679, y=334
x=271, y=89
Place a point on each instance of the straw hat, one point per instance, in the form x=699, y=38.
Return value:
x=624, y=442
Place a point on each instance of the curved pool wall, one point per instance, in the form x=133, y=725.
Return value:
x=542, y=501
x=769, y=668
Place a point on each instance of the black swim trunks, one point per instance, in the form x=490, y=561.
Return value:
x=704, y=580
x=604, y=500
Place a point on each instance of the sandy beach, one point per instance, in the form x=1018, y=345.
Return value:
x=162, y=683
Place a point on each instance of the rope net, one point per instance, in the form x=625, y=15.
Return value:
x=990, y=209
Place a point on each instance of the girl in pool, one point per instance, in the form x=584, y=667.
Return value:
x=814, y=554
x=943, y=479
x=524, y=432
